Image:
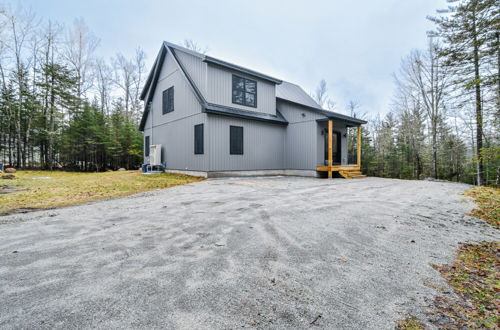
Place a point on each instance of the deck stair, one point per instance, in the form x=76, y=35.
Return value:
x=352, y=174
x=346, y=171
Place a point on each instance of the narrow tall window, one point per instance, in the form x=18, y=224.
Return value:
x=244, y=91
x=198, y=139
x=146, y=146
x=168, y=100
x=235, y=140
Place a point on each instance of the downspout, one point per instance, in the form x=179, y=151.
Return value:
x=151, y=114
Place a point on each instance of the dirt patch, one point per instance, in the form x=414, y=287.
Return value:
x=474, y=276
x=8, y=189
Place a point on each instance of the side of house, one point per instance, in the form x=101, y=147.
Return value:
x=214, y=118
x=171, y=119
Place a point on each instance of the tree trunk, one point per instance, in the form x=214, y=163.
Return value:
x=434, y=150
x=479, y=112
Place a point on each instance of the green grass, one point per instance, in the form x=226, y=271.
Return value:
x=31, y=191
x=488, y=202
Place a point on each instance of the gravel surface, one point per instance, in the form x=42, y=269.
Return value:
x=278, y=253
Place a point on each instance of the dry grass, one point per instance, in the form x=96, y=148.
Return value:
x=45, y=189
x=410, y=323
x=488, y=202
x=475, y=273
x=475, y=277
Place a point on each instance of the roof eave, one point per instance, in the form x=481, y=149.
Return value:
x=353, y=121
x=328, y=114
x=250, y=115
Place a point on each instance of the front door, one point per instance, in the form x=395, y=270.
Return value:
x=336, y=156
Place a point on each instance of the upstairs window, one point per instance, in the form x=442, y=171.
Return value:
x=168, y=100
x=244, y=91
x=235, y=140
x=198, y=139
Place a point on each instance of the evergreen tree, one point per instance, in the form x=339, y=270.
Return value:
x=469, y=33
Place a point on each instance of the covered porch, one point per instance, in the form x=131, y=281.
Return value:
x=347, y=167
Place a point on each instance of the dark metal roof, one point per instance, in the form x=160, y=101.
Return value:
x=238, y=113
x=238, y=68
x=294, y=93
x=330, y=114
x=334, y=115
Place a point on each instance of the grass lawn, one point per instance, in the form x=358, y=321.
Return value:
x=46, y=189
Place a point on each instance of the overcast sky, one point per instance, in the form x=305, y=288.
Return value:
x=356, y=46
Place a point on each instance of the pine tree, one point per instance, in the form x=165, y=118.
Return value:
x=466, y=30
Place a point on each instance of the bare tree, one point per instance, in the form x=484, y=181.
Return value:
x=319, y=94
x=21, y=26
x=140, y=70
x=80, y=45
x=125, y=72
x=423, y=73
x=353, y=110
x=104, y=84
x=194, y=46
x=331, y=105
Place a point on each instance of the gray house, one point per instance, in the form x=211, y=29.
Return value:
x=213, y=118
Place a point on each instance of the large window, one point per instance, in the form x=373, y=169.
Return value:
x=168, y=100
x=244, y=91
x=235, y=140
x=198, y=139
x=146, y=146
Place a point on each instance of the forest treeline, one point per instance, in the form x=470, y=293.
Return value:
x=61, y=106
x=445, y=118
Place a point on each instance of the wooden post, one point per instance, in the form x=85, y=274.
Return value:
x=358, y=143
x=330, y=148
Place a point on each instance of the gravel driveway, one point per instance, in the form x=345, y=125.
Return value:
x=278, y=252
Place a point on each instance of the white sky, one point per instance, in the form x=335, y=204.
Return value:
x=356, y=46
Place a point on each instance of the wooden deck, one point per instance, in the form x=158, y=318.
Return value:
x=347, y=171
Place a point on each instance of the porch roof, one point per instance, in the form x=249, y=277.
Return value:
x=350, y=121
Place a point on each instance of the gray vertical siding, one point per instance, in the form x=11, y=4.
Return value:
x=302, y=151
x=185, y=102
x=177, y=140
x=219, y=91
x=196, y=68
x=304, y=144
x=263, y=145
x=300, y=146
x=175, y=130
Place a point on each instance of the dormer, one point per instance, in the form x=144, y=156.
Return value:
x=237, y=87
